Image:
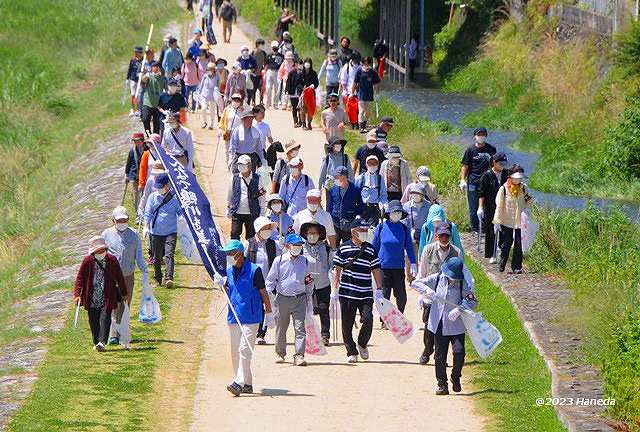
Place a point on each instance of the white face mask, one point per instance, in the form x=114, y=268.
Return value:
x=371, y=145
x=516, y=181
x=100, y=256
x=444, y=243
x=337, y=148
x=481, y=139
x=295, y=171
x=296, y=250
x=121, y=226
x=245, y=54
x=235, y=104
x=372, y=168
x=313, y=238
x=417, y=198
x=363, y=236
x=307, y=65
x=265, y=234
x=313, y=207
x=157, y=74
x=276, y=207
x=243, y=168
x=210, y=73
x=395, y=216
x=293, y=153
x=230, y=260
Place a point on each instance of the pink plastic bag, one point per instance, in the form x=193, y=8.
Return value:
x=313, y=341
x=401, y=328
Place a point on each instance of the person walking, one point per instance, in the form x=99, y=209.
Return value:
x=154, y=85
x=125, y=244
x=262, y=250
x=132, y=167
x=161, y=222
x=273, y=63
x=228, y=15
x=423, y=178
x=412, y=54
x=172, y=59
x=236, y=83
x=293, y=89
x=171, y=101
x=290, y=277
x=396, y=173
x=178, y=140
x=208, y=92
x=287, y=66
x=437, y=216
x=370, y=148
x=281, y=169
x=344, y=203
x=365, y=79
x=373, y=191
x=191, y=75
x=356, y=264
x=391, y=240
x=382, y=131
x=245, y=199
x=334, y=158
x=260, y=56
x=229, y=121
x=294, y=187
x=488, y=186
x=417, y=210
x=316, y=214
x=447, y=288
x=245, y=287
x=99, y=287
x=347, y=78
x=277, y=214
x=431, y=260
x=345, y=51
x=319, y=250
x=133, y=71
x=512, y=198
x=246, y=139
x=310, y=83
x=331, y=66
x=333, y=119
x=248, y=66
x=475, y=161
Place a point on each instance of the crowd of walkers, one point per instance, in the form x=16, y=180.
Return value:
x=289, y=256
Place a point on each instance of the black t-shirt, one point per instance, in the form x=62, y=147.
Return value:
x=478, y=159
x=364, y=152
x=380, y=134
x=274, y=60
x=172, y=102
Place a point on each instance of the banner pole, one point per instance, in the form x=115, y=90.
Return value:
x=146, y=48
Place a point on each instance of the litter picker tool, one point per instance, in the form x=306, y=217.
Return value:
x=479, y=237
x=124, y=194
x=146, y=48
x=75, y=317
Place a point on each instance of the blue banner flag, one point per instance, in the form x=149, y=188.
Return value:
x=197, y=212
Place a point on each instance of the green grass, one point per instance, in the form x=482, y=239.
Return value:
x=514, y=375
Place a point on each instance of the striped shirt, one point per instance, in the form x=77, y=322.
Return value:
x=355, y=279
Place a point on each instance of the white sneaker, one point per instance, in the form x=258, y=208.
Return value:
x=99, y=347
x=492, y=260
x=352, y=359
x=364, y=352
x=261, y=341
x=279, y=358
x=131, y=112
x=299, y=361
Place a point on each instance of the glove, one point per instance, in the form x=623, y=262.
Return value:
x=377, y=294
x=496, y=228
x=219, y=280
x=334, y=295
x=269, y=320
x=413, y=269
x=454, y=314
x=480, y=213
x=463, y=185
x=145, y=231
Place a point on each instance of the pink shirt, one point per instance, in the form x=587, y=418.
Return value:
x=191, y=74
x=284, y=70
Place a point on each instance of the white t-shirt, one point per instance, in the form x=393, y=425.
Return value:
x=321, y=216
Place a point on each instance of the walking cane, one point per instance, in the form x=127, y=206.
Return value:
x=124, y=194
x=495, y=245
x=75, y=318
x=215, y=155
x=479, y=234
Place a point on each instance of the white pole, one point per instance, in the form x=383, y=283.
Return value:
x=146, y=48
x=235, y=315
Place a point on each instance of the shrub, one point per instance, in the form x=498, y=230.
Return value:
x=622, y=158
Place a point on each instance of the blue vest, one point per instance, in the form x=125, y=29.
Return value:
x=245, y=297
x=252, y=193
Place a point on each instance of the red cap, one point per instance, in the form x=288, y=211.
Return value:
x=138, y=136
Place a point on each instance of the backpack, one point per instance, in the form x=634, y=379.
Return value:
x=227, y=12
x=270, y=246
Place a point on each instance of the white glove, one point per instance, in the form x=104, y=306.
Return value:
x=334, y=295
x=219, y=280
x=377, y=294
x=413, y=269
x=463, y=185
x=454, y=314
x=480, y=213
x=145, y=231
x=269, y=320
x=496, y=228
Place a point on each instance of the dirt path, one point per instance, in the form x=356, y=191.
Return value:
x=388, y=393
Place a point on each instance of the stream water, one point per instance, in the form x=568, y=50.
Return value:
x=435, y=105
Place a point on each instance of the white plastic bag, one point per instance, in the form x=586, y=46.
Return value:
x=319, y=97
x=313, y=341
x=484, y=336
x=401, y=328
x=149, y=308
x=187, y=244
x=124, y=333
x=529, y=229
x=334, y=307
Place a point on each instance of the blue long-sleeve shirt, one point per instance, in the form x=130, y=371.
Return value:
x=344, y=204
x=172, y=60
x=391, y=240
x=167, y=221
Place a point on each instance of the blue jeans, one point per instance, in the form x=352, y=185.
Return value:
x=472, y=200
x=189, y=90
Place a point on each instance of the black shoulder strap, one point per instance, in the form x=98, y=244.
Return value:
x=353, y=259
x=271, y=251
x=175, y=138
x=252, y=250
x=165, y=200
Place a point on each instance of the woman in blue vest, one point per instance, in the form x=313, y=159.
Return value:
x=246, y=290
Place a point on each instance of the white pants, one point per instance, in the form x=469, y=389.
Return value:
x=241, y=353
x=210, y=112
x=271, y=88
x=363, y=110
